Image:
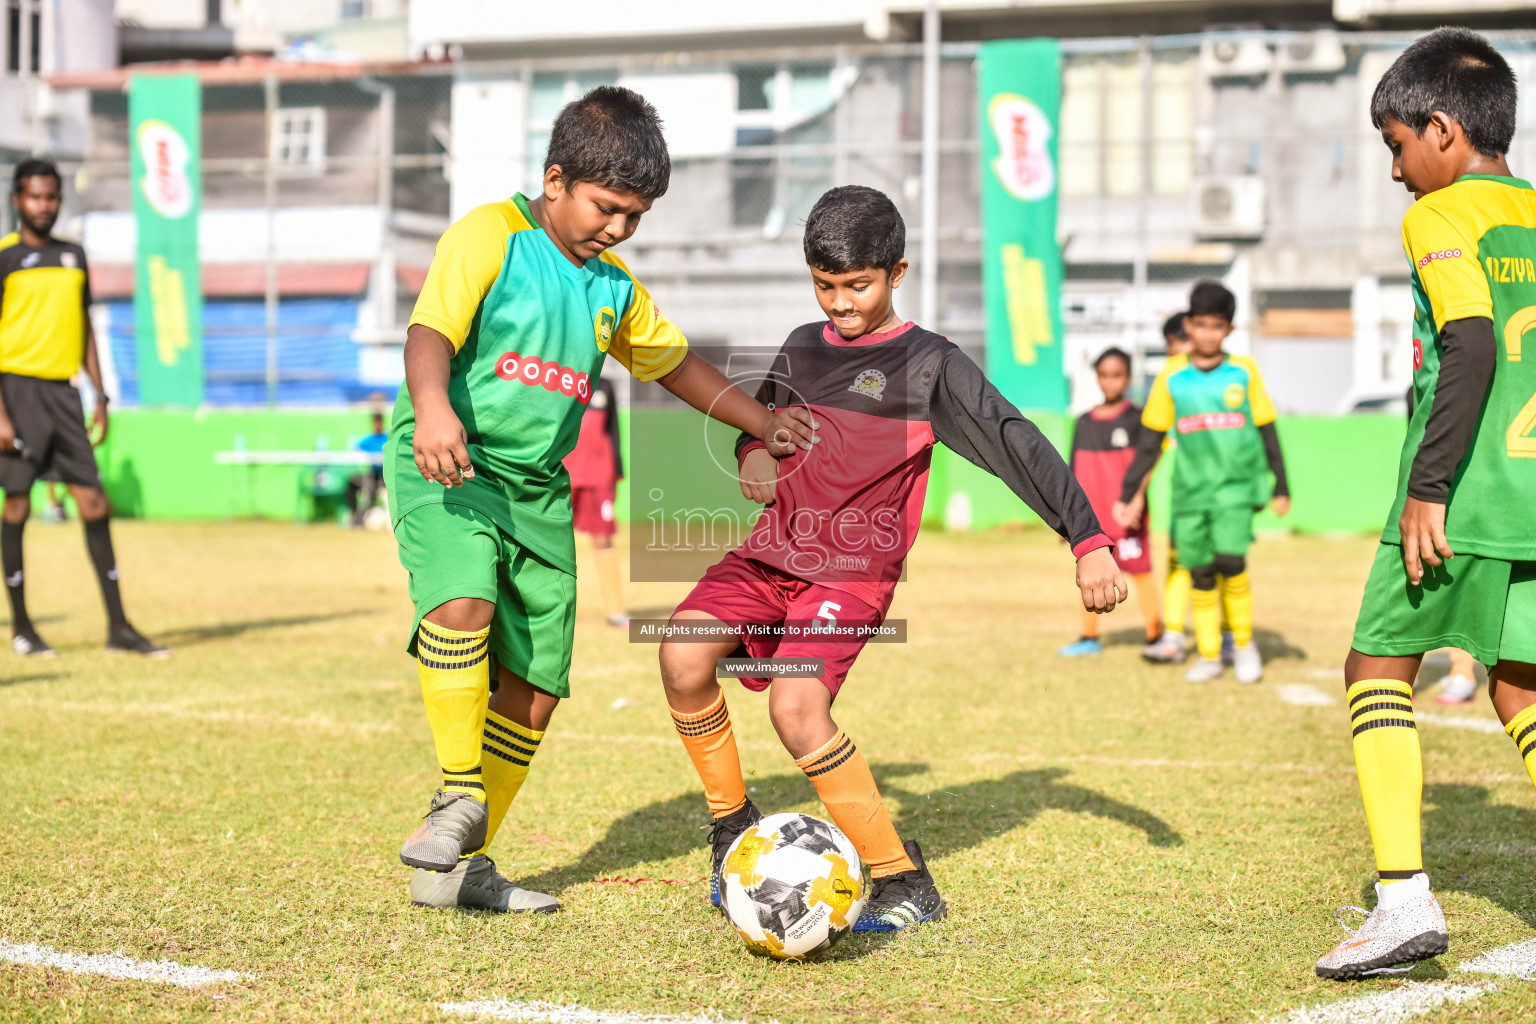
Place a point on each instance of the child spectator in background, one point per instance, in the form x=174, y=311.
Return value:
x=1171, y=647
x=363, y=488
x=1103, y=445
x=596, y=465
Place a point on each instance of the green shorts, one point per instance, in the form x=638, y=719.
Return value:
x=1200, y=536
x=1485, y=606
x=455, y=551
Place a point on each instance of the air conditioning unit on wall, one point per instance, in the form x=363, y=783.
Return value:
x=1235, y=57
x=1228, y=206
x=1312, y=53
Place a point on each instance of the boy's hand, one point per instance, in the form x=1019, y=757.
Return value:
x=1280, y=504
x=788, y=429
x=1423, y=529
x=1127, y=514
x=759, y=474
x=440, y=446
x=1100, y=581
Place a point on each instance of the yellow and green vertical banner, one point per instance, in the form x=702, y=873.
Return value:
x=1020, y=82
x=164, y=116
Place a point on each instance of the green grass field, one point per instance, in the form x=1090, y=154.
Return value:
x=1115, y=844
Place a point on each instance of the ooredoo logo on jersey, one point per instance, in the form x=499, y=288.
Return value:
x=549, y=375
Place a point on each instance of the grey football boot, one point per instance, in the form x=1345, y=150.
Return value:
x=455, y=823
x=475, y=884
x=1410, y=930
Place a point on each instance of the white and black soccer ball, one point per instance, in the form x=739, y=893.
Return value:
x=792, y=885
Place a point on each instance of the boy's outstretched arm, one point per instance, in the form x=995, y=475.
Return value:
x=971, y=417
x=1280, y=500
x=709, y=391
x=1149, y=448
x=1469, y=351
x=439, y=443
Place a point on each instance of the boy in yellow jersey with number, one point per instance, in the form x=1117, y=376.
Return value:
x=1457, y=561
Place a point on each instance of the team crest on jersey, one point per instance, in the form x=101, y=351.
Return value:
x=603, y=328
x=68, y=260
x=1119, y=438
x=1234, y=395
x=870, y=383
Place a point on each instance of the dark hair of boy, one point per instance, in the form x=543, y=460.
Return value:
x=1114, y=353
x=31, y=169
x=1211, y=298
x=854, y=227
x=611, y=137
x=1456, y=71
x=1173, y=327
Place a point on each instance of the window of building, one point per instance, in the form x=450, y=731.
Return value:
x=298, y=139
x=1103, y=139
x=17, y=26
x=353, y=9
x=784, y=162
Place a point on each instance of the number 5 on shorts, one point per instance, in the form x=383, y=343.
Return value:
x=825, y=621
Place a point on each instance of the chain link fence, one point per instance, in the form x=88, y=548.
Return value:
x=1247, y=157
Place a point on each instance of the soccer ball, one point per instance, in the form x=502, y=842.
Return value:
x=792, y=884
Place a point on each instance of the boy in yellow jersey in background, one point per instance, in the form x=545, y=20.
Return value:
x=1220, y=409
x=1457, y=562
x=521, y=306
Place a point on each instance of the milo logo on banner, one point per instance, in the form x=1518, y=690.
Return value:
x=1023, y=166
x=166, y=185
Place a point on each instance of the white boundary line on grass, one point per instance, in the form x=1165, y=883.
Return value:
x=1461, y=721
x=1419, y=997
x=111, y=965
x=206, y=715
x=540, y=1012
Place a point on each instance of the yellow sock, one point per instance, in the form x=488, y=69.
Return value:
x=1176, y=599
x=455, y=672
x=608, y=579
x=1522, y=729
x=844, y=783
x=1237, y=600
x=711, y=745
x=507, y=749
x=1391, y=773
x=1207, y=623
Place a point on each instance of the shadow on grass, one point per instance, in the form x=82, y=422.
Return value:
x=224, y=630
x=1272, y=645
x=944, y=821
x=36, y=677
x=1478, y=847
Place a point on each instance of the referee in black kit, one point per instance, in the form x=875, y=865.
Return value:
x=45, y=337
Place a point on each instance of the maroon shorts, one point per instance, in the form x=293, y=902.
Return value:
x=1134, y=553
x=592, y=509
x=744, y=592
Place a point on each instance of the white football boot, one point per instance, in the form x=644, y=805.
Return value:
x=1167, y=649
x=1205, y=670
x=1406, y=927
x=1247, y=666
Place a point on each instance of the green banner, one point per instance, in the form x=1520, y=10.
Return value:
x=164, y=116
x=1020, y=83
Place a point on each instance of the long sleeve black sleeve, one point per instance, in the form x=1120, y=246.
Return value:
x=1468, y=352
x=971, y=417
x=1149, y=447
x=1271, y=438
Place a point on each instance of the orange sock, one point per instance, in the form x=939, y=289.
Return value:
x=1090, y=623
x=843, y=781
x=711, y=745
x=1150, y=602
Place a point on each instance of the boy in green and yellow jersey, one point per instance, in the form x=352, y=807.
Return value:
x=1457, y=562
x=523, y=302
x=1218, y=407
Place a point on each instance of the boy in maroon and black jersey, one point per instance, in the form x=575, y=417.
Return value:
x=823, y=560
x=1103, y=445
